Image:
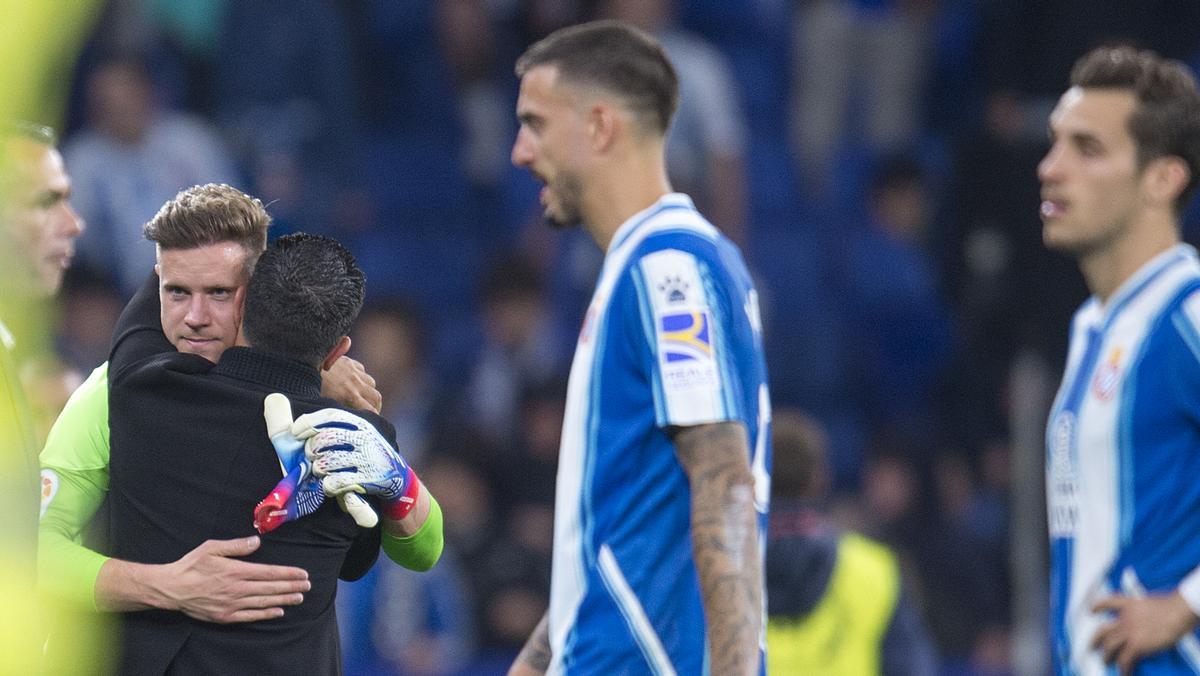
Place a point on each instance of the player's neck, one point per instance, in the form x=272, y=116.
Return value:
x=1106, y=269
x=621, y=190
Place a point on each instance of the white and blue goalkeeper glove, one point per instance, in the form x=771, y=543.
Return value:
x=350, y=457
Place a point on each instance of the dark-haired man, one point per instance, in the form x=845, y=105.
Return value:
x=1123, y=437
x=191, y=458
x=664, y=468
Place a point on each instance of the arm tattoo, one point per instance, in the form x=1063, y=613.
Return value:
x=535, y=654
x=716, y=458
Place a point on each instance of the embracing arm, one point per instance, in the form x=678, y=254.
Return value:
x=716, y=458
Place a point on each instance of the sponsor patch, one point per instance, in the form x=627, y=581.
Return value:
x=685, y=336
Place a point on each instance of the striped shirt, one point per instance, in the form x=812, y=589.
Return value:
x=672, y=338
x=1123, y=460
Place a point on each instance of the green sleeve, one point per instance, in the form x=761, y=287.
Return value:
x=74, y=483
x=422, y=549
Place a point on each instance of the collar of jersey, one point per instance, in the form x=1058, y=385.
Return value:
x=1130, y=289
x=671, y=200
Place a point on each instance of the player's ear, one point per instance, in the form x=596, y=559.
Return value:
x=602, y=126
x=1165, y=178
x=339, y=350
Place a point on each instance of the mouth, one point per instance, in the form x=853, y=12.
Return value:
x=196, y=343
x=1052, y=208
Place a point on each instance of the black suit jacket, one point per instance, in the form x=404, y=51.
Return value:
x=190, y=460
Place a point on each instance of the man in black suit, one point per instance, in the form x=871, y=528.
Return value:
x=191, y=458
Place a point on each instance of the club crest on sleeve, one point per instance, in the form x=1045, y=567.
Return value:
x=1108, y=376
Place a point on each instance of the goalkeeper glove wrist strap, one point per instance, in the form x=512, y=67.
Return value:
x=398, y=508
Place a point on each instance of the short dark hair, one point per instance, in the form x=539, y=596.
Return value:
x=305, y=293
x=621, y=59
x=210, y=214
x=1166, y=120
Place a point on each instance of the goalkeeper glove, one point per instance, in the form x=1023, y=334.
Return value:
x=350, y=456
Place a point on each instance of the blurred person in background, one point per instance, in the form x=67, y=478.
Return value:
x=899, y=323
x=708, y=137
x=38, y=228
x=845, y=50
x=1123, y=503
x=663, y=480
x=837, y=603
x=520, y=348
x=131, y=156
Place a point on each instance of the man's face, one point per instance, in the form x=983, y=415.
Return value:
x=1090, y=177
x=202, y=291
x=552, y=135
x=41, y=225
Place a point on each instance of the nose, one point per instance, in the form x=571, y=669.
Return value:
x=197, y=313
x=75, y=225
x=1050, y=168
x=522, y=152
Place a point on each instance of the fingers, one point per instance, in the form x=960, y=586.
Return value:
x=277, y=412
x=308, y=424
x=235, y=547
x=337, y=484
x=256, y=608
x=1109, y=640
x=1112, y=604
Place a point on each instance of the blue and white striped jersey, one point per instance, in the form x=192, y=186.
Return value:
x=672, y=338
x=1123, y=460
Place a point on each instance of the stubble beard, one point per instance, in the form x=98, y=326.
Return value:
x=569, y=191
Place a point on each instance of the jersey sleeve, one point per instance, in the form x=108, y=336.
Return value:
x=422, y=549
x=74, y=482
x=687, y=325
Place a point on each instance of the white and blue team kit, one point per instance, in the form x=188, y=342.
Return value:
x=672, y=338
x=1123, y=461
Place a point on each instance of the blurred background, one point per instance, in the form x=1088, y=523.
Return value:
x=875, y=159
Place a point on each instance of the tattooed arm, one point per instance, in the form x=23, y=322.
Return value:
x=534, y=658
x=716, y=458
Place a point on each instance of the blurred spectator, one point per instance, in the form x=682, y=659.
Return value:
x=966, y=569
x=129, y=158
x=520, y=348
x=900, y=324
x=91, y=304
x=286, y=97
x=389, y=339
x=871, y=52
x=466, y=36
x=837, y=603
x=707, y=140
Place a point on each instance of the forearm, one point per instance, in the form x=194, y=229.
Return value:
x=66, y=569
x=126, y=586
x=725, y=543
x=416, y=541
x=534, y=658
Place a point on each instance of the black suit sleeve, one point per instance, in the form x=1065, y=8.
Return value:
x=363, y=552
x=139, y=331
